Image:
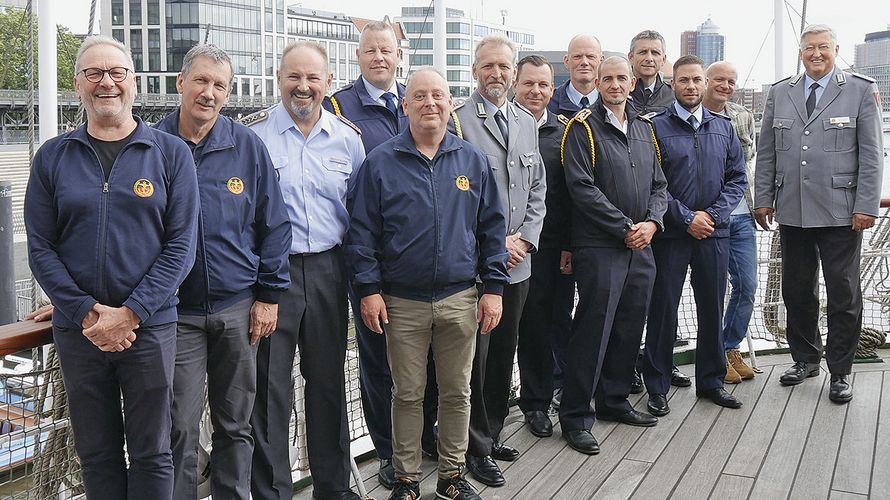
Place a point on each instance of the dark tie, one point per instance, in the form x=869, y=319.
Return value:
x=647, y=92
x=693, y=121
x=811, y=99
x=502, y=124
x=391, y=103
x=585, y=102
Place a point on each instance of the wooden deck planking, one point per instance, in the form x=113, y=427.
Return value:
x=786, y=441
x=705, y=469
x=854, y=459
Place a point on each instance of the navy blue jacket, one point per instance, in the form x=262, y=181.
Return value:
x=128, y=241
x=705, y=170
x=560, y=103
x=243, y=233
x=374, y=119
x=425, y=229
x=662, y=97
x=557, y=229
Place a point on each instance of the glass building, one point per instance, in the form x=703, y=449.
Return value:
x=872, y=59
x=705, y=42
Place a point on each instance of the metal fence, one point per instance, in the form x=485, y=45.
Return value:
x=36, y=446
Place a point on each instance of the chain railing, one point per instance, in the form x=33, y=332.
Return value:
x=36, y=446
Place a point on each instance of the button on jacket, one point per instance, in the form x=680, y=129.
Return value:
x=316, y=175
x=243, y=232
x=704, y=167
x=125, y=241
x=424, y=229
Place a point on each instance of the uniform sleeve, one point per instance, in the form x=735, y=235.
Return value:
x=364, y=234
x=180, y=226
x=765, y=170
x=272, y=229
x=535, y=209
x=490, y=227
x=735, y=181
x=593, y=207
x=657, y=195
x=357, y=152
x=871, y=154
x=40, y=224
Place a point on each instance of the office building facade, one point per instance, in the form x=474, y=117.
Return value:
x=872, y=59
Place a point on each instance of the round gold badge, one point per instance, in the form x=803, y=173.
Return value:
x=462, y=183
x=143, y=188
x=235, y=185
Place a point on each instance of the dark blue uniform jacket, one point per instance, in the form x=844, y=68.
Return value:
x=376, y=122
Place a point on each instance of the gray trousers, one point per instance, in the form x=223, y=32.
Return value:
x=217, y=345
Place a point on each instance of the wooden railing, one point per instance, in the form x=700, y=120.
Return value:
x=24, y=335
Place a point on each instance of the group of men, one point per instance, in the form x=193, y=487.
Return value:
x=458, y=232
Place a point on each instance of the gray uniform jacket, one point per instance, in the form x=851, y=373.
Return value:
x=819, y=171
x=518, y=169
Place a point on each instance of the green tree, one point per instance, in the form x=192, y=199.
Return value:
x=13, y=53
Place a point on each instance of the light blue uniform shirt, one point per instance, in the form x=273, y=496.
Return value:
x=575, y=95
x=316, y=174
x=684, y=114
x=823, y=82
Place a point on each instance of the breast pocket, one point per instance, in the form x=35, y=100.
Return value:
x=337, y=170
x=529, y=164
x=838, y=136
x=782, y=131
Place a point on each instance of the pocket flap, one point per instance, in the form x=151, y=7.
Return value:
x=279, y=162
x=843, y=181
x=783, y=122
x=337, y=164
x=839, y=123
x=779, y=179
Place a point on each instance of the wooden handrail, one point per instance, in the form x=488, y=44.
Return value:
x=24, y=335
x=885, y=202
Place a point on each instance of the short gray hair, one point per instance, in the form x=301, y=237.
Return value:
x=647, y=35
x=377, y=26
x=496, y=40
x=308, y=45
x=815, y=29
x=613, y=60
x=210, y=51
x=92, y=41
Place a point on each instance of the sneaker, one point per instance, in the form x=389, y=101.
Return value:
x=405, y=489
x=456, y=488
x=732, y=376
x=734, y=357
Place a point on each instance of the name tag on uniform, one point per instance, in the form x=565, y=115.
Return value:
x=839, y=120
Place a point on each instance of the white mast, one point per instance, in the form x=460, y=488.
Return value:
x=47, y=66
x=779, y=30
x=439, y=36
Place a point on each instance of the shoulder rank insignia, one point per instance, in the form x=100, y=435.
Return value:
x=351, y=125
x=459, y=102
x=860, y=75
x=580, y=117
x=254, y=118
x=793, y=79
x=562, y=119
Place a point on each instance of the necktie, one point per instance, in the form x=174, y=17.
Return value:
x=391, y=103
x=647, y=92
x=693, y=121
x=502, y=124
x=811, y=99
x=585, y=102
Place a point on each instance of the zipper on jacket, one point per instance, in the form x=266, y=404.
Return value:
x=101, y=291
x=208, y=307
x=429, y=164
x=697, y=169
x=633, y=172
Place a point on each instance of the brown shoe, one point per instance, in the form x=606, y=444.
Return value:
x=734, y=357
x=732, y=376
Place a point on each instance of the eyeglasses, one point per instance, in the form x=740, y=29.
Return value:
x=809, y=49
x=95, y=75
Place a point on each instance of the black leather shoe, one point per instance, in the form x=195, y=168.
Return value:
x=337, y=495
x=840, y=391
x=678, y=379
x=798, y=372
x=539, y=423
x=720, y=397
x=636, y=384
x=405, y=489
x=582, y=441
x=386, y=476
x=632, y=417
x=658, y=405
x=503, y=452
x=485, y=470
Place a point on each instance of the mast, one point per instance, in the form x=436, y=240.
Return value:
x=779, y=29
x=47, y=67
x=439, y=35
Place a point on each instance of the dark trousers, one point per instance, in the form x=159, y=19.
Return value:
x=614, y=286
x=492, y=373
x=376, y=387
x=709, y=260
x=216, y=345
x=95, y=382
x=311, y=315
x=838, y=249
x=544, y=328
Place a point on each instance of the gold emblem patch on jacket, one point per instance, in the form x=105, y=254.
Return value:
x=462, y=183
x=235, y=185
x=143, y=188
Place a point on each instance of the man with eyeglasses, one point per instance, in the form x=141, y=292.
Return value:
x=110, y=213
x=818, y=175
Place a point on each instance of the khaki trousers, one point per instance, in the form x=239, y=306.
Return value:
x=449, y=326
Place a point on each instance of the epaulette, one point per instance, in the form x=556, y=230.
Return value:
x=459, y=102
x=860, y=75
x=721, y=115
x=254, y=118
x=457, y=130
x=580, y=117
x=562, y=119
x=351, y=125
x=345, y=87
x=793, y=79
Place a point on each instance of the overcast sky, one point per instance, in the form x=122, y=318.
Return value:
x=744, y=23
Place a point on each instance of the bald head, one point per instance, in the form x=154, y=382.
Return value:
x=582, y=59
x=722, y=77
x=427, y=104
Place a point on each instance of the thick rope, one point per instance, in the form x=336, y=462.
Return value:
x=869, y=341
